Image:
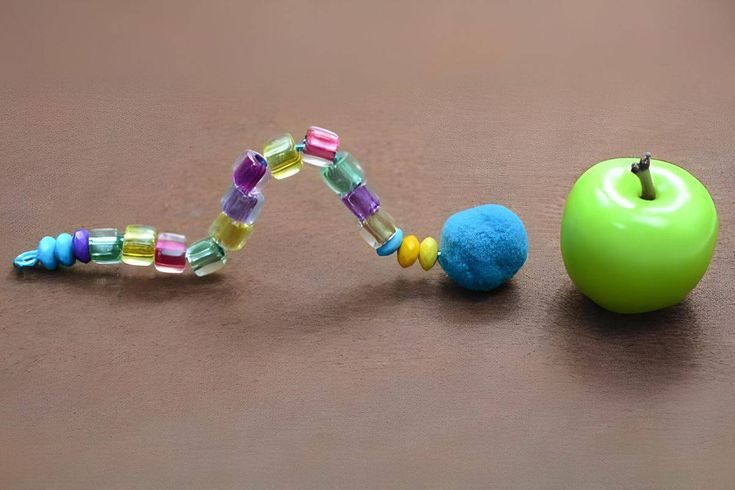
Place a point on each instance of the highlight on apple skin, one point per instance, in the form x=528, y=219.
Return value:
x=637, y=235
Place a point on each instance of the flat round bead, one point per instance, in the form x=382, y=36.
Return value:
x=64, y=250
x=408, y=252
x=249, y=170
x=80, y=245
x=391, y=245
x=428, y=253
x=46, y=256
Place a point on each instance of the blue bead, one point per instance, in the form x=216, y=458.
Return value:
x=46, y=256
x=483, y=247
x=64, y=251
x=391, y=245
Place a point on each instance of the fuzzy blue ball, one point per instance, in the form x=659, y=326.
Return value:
x=483, y=247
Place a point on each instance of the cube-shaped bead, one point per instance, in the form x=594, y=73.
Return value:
x=283, y=158
x=205, y=257
x=241, y=206
x=105, y=245
x=378, y=228
x=344, y=175
x=250, y=169
x=228, y=233
x=361, y=202
x=139, y=245
x=170, y=253
x=320, y=143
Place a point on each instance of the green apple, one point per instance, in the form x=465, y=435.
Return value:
x=635, y=238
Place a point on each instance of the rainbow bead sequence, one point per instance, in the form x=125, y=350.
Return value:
x=240, y=207
x=139, y=245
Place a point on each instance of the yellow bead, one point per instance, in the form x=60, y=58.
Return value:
x=283, y=158
x=228, y=233
x=408, y=252
x=139, y=245
x=428, y=252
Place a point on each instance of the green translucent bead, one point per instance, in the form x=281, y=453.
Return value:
x=344, y=175
x=283, y=158
x=105, y=245
x=205, y=257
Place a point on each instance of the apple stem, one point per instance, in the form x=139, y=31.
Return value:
x=643, y=172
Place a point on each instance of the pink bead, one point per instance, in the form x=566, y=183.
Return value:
x=321, y=143
x=170, y=253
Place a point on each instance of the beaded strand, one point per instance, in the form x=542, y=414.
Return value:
x=241, y=205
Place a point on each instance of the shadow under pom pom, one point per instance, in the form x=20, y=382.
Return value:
x=483, y=247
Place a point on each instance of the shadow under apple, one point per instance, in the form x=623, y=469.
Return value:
x=639, y=353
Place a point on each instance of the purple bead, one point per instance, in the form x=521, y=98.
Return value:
x=362, y=202
x=241, y=206
x=249, y=169
x=80, y=245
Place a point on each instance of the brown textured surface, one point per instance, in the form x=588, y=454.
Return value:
x=310, y=361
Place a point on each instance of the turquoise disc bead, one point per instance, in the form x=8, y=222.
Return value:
x=391, y=245
x=46, y=256
x=63, y=251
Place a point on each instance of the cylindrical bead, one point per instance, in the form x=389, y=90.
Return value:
x=170, y=253
x=408, y=252
x=64, y=251
x=105, y=245
x=361, y=202
x=205, y=257
x=46, y=256
x=80, y=244
x=249, y=170
x=378, y=228
x=240, y=206
x=283, y=158
x=228, y=233
x=321, y=144
x=139, y=245
x=344, y=175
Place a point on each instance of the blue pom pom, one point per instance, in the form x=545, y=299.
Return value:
x=483, y=247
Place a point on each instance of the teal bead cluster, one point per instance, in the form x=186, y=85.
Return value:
x=54, y=251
